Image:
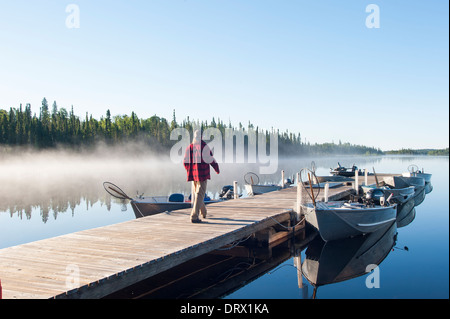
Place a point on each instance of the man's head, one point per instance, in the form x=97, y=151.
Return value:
x=197, y=137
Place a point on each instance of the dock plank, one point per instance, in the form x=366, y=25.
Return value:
x=113, y=257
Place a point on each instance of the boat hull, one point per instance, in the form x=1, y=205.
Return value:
x=419, y=195
x=408, y=219
x=425, y=176
x=344, y=173
x=404, y=181
x=148, y=206
x=404, y=209
x=261, y=189
x=142, y=209
x=428, y=188
x=338, y=223
x=334, y=179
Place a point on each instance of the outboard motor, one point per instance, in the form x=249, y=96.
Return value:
x=227, y=192
x=369, y=199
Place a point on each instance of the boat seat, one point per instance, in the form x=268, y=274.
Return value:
x=177, y=198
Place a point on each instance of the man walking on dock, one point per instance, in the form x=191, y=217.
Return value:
x=197, y=159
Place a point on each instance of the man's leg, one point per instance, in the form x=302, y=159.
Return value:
x=202, y=194
x=194, y=199
x=199, y=194
x=199, y=205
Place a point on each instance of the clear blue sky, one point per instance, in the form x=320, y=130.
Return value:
x=308, y=66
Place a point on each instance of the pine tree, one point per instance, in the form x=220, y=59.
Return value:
x=108, y=125
x=173, y=124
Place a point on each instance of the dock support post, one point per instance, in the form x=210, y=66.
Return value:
x=235, y=191
x=298, y=265
x=357, y=182
x=282, y=179
x=366, y=176
x=327, y=190
x=299, y=198
x=301, y=286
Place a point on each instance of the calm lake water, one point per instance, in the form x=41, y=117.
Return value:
x=51, y=194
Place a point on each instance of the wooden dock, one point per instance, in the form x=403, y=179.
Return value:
x=97, y=262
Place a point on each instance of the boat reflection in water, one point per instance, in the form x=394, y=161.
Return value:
x=404, y=211
x=407, y=219
x=340, y=260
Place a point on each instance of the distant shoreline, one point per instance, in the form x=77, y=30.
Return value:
x=430, y=152
x=135, y=147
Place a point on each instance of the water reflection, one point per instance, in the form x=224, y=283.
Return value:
x=54, y=183
x=214, y=275
x=53, y=206
x=340, y=260
x=221, y=273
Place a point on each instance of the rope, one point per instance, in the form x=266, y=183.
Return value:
x=235, y=244
x=288, y=227
x=229, y=272
x=142, y=215
x=282, y=266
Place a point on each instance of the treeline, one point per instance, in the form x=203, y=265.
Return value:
x=443, y=152
x=56, y=126
x=341, y=148
x=440, y=152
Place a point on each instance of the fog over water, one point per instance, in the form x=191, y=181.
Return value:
x=54, y=192
x=30, y=177
x=59, y=180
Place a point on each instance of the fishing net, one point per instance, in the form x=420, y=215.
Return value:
x=251, y=179
x=310, y=184
x=115, y=191
x=413, y=168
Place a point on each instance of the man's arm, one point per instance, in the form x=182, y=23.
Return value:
x=187, y=158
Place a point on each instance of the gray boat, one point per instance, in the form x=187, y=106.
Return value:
x=261, y=189
x=413, y=171
x=425, y=176
x=340, y=219
x=403, y=197
x=403, y=182
x=343, y=171
x=254, y=187
x=399, y=195
x=152, y=205
x=333, y=179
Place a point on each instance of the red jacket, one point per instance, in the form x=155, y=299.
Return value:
x=196, y=165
